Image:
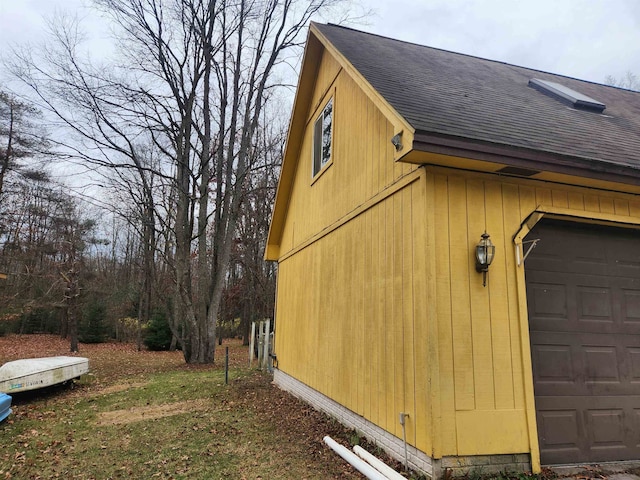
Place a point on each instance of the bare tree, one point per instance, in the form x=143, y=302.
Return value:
x=191, y=86
x=250, y=289
x=20, y=134
x=630, y=81
x=73, y=237
x=43, y=243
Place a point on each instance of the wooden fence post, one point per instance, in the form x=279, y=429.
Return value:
x=267, y=338
x=252, y=343
x=260, y=342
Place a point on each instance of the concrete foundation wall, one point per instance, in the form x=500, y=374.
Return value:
x=394, y=446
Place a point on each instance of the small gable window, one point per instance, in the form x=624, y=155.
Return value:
x=322, y=137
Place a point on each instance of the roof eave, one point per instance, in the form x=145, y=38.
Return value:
x=530, y=159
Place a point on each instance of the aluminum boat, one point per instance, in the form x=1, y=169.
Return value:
x=34, y=373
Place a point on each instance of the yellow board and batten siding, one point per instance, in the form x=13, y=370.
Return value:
x=358, y=154
x=482, y=407
x=379, y=305
x=483, y=344
x=346, y=320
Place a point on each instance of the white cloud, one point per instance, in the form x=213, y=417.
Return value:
x=587, y=39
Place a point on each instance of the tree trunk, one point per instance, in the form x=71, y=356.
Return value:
x=73, y=330
x=64, y=327
x=71, y=296
x=191, y=86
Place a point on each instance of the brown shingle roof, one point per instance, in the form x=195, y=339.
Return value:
x=461, y=96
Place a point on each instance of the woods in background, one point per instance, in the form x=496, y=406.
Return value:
x=180, y=139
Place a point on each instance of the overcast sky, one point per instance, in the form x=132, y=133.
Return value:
x=587, y=39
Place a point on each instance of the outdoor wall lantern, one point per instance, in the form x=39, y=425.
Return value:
x=485, y=250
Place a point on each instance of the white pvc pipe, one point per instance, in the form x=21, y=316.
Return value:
x=355, y=461
x=378, y=464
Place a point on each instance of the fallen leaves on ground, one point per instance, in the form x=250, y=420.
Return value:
x=301, y=428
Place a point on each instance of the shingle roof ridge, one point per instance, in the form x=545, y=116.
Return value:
x=476, y=57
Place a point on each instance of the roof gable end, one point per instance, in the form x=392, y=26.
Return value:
x=316, y=44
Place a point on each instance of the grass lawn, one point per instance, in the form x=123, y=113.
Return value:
x=149, y=415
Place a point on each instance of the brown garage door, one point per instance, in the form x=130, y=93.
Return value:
x=583, y=295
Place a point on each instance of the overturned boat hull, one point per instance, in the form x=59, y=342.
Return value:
x=5, y=406
x=34, y=373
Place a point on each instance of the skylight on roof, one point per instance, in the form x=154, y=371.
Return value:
x=567, y=95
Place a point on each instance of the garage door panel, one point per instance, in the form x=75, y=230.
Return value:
x=548, y=301
x=636, y=430
x=626, y=268
x=581, y=308
x=545, y=257
x=594, y=303
x=561, y=434
x=624, y=258
x=562, y=429
x=553, y=365
x=633, y=354
x=606, y=427
x=630, y=305
x=586, y=429
x=583, y=294
x=584, y=364
x=601, y=364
